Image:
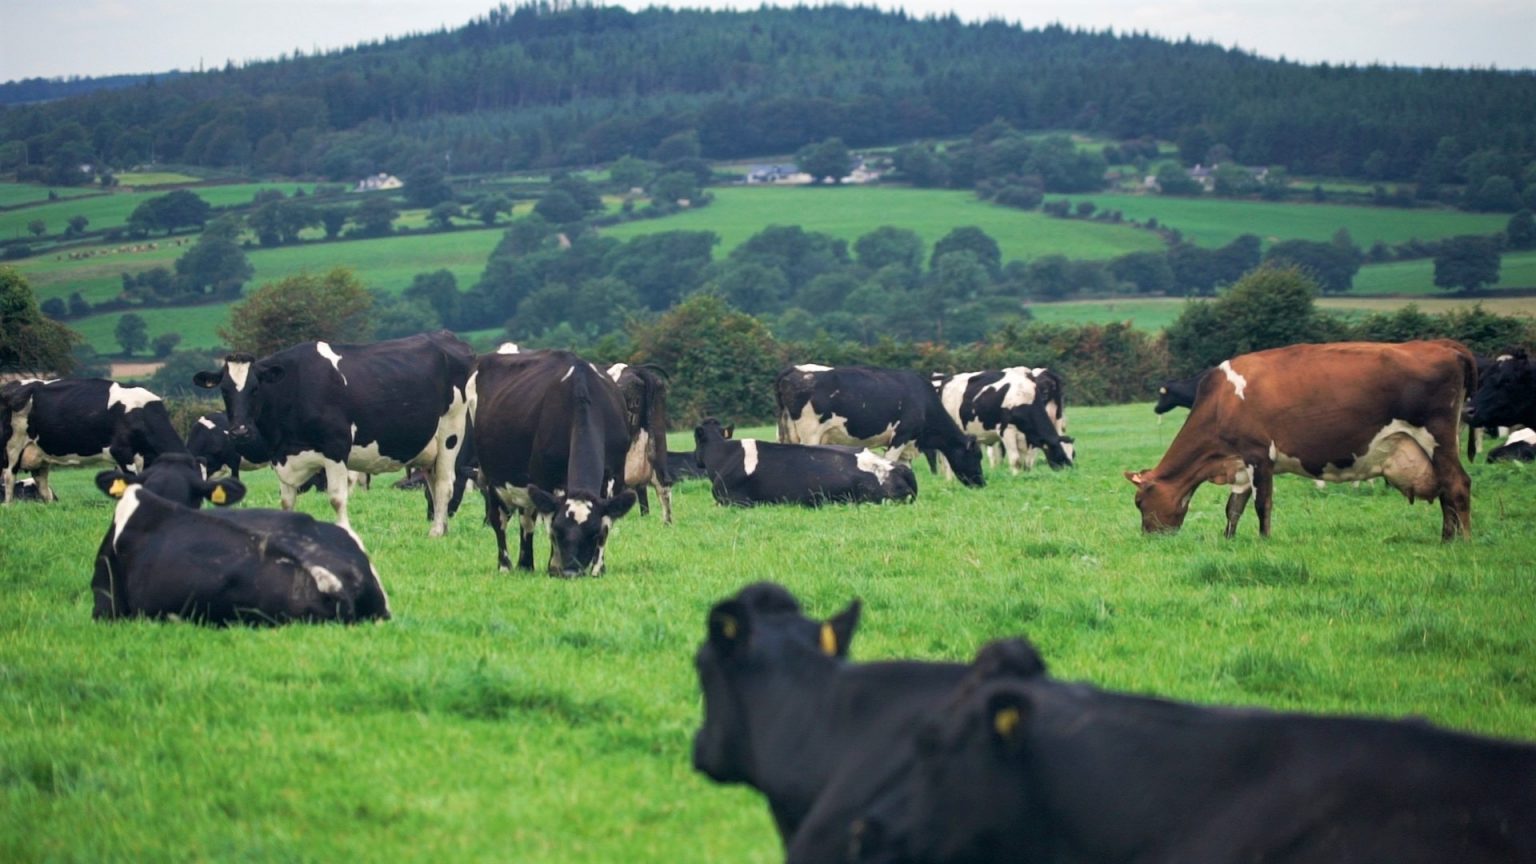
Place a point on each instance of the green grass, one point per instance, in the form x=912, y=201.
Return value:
x=138, y=179
x=1149, y=313
x=738, y=212
x=113, y=210
x=1516, y=270
x=16, y=194
x=520, y=718
x=1215, y=222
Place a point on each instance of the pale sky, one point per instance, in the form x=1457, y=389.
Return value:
x=103, y=37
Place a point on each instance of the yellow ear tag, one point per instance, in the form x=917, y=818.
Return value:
x=118, y=488
x=218, y=496
x=728, y=626
x=828, y=639
x=1005, y=721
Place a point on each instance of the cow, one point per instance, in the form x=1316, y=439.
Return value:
x=552, y=439
x=209, y=441
x=80, y=421
x=24, y=490
x=1337, y=412
x=644, y=390
x=1507, y=393
x=1020, y=766
x=1178, y=393
x=1009, y=407
x=685, y=466
x=1519, y=447
x=787, y=714
x=371, y=408
x=872, y=407
x=162, y=558
x=746, y=472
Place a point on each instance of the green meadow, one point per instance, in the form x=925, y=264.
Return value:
x=515, y=717
x=112, y=210
x=1516, y=270
x=17, y=194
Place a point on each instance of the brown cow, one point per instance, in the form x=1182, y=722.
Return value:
x=1340, y=412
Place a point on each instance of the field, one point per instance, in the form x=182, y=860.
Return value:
x=17, y=194
x=522, y=718
x=1516, y=270
x=112, y=211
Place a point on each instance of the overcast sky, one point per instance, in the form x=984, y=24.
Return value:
x=104, y=37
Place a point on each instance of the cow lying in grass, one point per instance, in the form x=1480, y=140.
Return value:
x=748, y=472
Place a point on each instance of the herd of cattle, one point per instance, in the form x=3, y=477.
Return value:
x=899, y=761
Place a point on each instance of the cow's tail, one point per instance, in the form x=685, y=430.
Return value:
x=784, y=395
x=1468, y=362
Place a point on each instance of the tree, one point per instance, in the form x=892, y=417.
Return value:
x=214, y=265
x=334, y=308
x=971, y=239
x=722, y=362
x=425, y=187
x=888, y=245
x=440, y=290
x=1467, y=262
x=828, y=159
x=443, y=213
x=131, y=333
x=674, y=187
x=37, y=227
x=631, y=173
x=333, y=219
x=30, y=342
x=1146, y=272
x=1270, y=307
x=164, y=344
x=1333, y=265
x=488, y=207
x=557, y=206
x=76, y=226
x=1172, y=179
x=168, y=212
x=375, y=217
x=1520, y=233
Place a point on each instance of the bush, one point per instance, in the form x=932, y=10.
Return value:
x=721, y=363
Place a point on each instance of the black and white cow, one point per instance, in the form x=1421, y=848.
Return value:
x=1023, y=767
x=24, y=490
x=1506, y=392
x=745, y=472
x=1019, y=408
x=162, y=558
x=873, y=407
x=209, y=441
x=80, y=421
x=1178, y=393
x=1519, y=447
x=644, y=390
x=552, y=440
x=371, y=408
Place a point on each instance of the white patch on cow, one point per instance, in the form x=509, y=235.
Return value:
x=125, y=507
x=1021, y=387
x=812, y=367
x=1242, y=480
x=206, y=423
x=299, y=467
x=1400, y=451
x=567, y=373
x=325, y=580
x=1522, y=436
x=617, y=370
x=368, y=458
x=1239, y=383
x=749, y=455
x=508, y=348
x=515, y=497
x=131, y=398
x=238, y=373
x=579, y=511
x=1502, y=357
x=324, y=350
x=875, y=465
x=637, y=462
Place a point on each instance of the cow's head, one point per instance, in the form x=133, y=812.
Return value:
x=967, y=794
x=1506, y=395
x=578, y=528
x=176, y=477
x=243, y=382
x=1166, y=401
x=759, y=650
x=966, y=462
x=1162, y=506
x=709, y=432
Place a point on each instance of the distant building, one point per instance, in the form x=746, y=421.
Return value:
x=377, y=182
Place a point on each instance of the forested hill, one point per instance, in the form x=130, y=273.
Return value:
x=543, y=86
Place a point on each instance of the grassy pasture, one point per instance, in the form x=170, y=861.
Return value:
x=1516, y=270
x=518, y=717
x=17, y=194
x=112, y=211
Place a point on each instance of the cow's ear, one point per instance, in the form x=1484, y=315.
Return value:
x=208, y=380
x=1010, y=658
x=271, y=374
x=728, y=431
x=1007, y=717
x=223, y=492
x=114, y=483
x=837, y=631
x=728, y=627
x=619, y=504
x=16, y=398
x=543, y=501
x=1137, y=478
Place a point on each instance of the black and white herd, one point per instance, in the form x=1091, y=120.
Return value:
x=897, y=761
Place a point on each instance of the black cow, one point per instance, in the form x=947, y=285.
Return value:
x=644, y=390
x=1020, y=408
x=745, y=472
x=78, y=421
x=1520, y=447
x=1506, y=393
x=872, y=407
x=209, y=441
x=1178, y=393
x=371, y=408
x=552, y=439
x=24, y=490
x=785, y=713
x=685, y=466
x=161, y=558
x=1022, y=767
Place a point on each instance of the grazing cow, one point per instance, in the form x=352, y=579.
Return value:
x=371, y=408
x=550, y=431
x=1507, y=394
x=1339, y=412
x=209, y=441
x=644, y=390
x=1023, y=767
x=79, y=421
x=785, y=713
x=747, y=472
x=162, y=558
x=1520, y=447
x=871, y=407
x=1178, y=393
x=1008, y=407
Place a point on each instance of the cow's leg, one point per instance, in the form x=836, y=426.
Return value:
x=1013, y=442
x=496, y=516
x=527, y=521
x=664, y=495
x=645, y=500
x=338, y=484
x=8, y=480
x=1455, y=486
x=44, y=491
x=1236, y=503
x=439, y=486
x=1264, y=493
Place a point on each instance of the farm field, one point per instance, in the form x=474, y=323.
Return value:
x=111, y=211
x=17, y=194
x=1516, y=270
x=514, y=717
x=850, y=212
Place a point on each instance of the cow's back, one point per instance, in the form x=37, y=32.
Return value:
x=525, y=405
